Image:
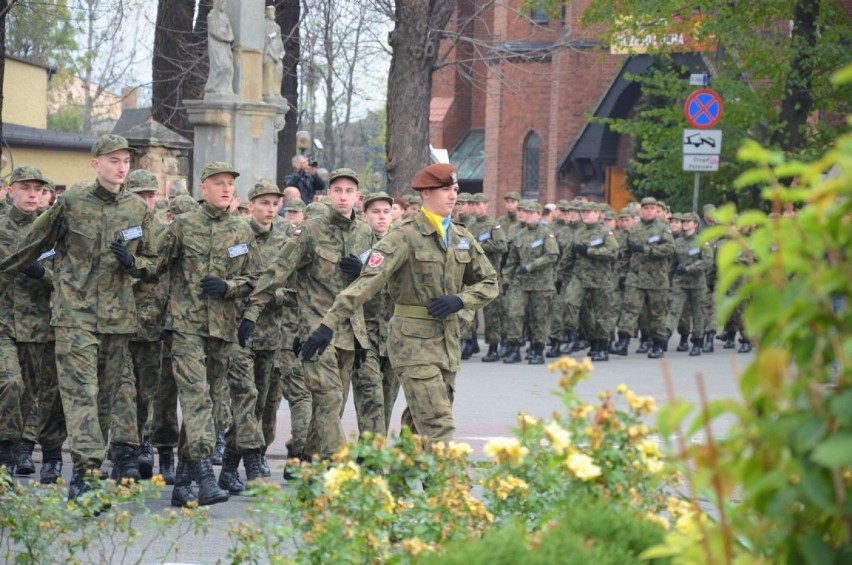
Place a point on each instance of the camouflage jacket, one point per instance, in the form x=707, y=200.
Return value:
x=207, y=241
x=650, y=268
x=377, y=314
x=26, y=305
x=314, y=252
x=492, y=238
x=622, y=261
x=269, y=332
x=510, y=224
x=564, y=233
x=93, y=291
x=151, y=294
x=535, y=249
x=695, y=259
x=417, y=267
x=595, y=268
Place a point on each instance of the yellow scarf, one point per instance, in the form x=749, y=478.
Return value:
x=440, y=222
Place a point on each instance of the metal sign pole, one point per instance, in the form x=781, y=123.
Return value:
x=695, y=194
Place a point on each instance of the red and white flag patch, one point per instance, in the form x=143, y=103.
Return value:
x=376, y=259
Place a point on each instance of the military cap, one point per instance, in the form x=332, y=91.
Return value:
x=374, y=197
x=343, y=173
x=691, y=217
x=648, y=201
x=464, y=198
x=662, y=205
x=529, y=206
x=609, y=215
x=262, y=188
x=677, y=216
x=49, y=186
x=626, y=212
x=295, y=204
x=161, y=205
x=25, y=173
x=183, y=203
x=512, y=196
x=479, y=197
x=215, y=168
x=412, y=199
x=110, y=143
x=242, y=205
x=563, y=204
x=587, y=207
x=436, y=175
x=709, y=208
x=315, y=209
x=141, y=180
x=574, y=205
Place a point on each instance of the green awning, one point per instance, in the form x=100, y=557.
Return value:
x=469, y=155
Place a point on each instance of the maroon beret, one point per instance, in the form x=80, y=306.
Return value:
x=437, y=175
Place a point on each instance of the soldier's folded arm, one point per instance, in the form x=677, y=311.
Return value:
x=551, y=256
x=275, y=277
x=47, y=229
x=480, y=280
x=243, y=285
x=662, y=248
x=609, y=248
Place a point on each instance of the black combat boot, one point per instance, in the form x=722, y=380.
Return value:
x=620, y=346
x=684, y=343
x=83, y=481
x=25, y=465
x=167, y=464
x=251, y=462
x=493, y=354
x=51, y=466
x=474, y=346
x=513, y=353
x=466, y=349
x=644, y=345
x=124, y=464
x=183, y=495
x=697, y=347
x=745, y=345
x=503, y=348
x=665, y=344
x=554, y=349
x=8, y=456
x=537, y=357
x=208, y=492
x=229, y=476
x=218, y=449
x=657, y=351
x=568, y=339
x=709, y=339
x=730, y=341
x=529, y=353
x=145, y=460
x=600, y=352
x=264, y=464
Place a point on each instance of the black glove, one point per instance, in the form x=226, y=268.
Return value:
x=505, y=288
x=34, y=270
x=350, y=265
x=442, y=306
x=317, y=341
x=166, y=335
x=581, y=248
x=122, y=254
x=522, y=270
x=680, y=271
x=383, y=363
x=637, y=248
x=360, y=355
x=244, y=331
x=621, y=281
x=213, y=286
x=558, y=287
x=297, y=346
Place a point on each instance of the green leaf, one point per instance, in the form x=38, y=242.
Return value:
x=841, y=407
x=834, y=452
x=752, y=177
x=671, y=416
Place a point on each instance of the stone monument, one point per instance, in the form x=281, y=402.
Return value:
x=235, y=122
x=273, y=58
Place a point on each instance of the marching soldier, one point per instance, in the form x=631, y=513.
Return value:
x=492, y=237
x=690, y=282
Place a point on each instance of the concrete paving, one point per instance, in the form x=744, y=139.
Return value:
x=488, y=399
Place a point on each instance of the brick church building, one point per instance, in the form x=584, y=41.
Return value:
x=511, y=108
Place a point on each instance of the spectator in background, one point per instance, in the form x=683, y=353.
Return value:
x=301, y=179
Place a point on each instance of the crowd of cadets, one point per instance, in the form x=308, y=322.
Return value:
x=117, y=304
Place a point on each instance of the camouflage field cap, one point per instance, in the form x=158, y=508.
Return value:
x=25, y=173
x=479, y=197
x=691, y=217
x=110, y=143
x=242, y=205
x=296, y=205
x=141, y=180
x=529, y=206
x=587, y=206
x=437, y=175
x=563, y=204
x=677, y=216
x=375, y=197
x=412, y=199
x=708, y=208
x=183, y=203
x=262, y=188
x=343, y=173
x=315, y=209
x=49, y=186
x=626, y=212
x=609, y=215
x=512, y=196
x=649, y=201
x=464, y=198
x=662, y=205
x=215, y=168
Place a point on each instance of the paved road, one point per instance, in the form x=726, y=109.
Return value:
x=488, y=398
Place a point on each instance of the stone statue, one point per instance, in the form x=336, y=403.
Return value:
x=220, y=36
x=273, y=57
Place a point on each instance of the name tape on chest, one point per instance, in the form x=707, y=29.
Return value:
x=694, y=251
x=654, y=239
x=537, y=243
x=131, y=233
x=237, y=250
x=464, y=244
x=596, y=242
x=46, y=255
x=364, y=256
x=484, y=236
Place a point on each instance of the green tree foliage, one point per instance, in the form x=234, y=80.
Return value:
x=41, y=30
x=68, y=118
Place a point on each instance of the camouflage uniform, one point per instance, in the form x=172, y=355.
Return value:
x=570, y=298
x=492, y=237
x=690, y=285
x=417, y=265
x=530, y=265
x=314, y=252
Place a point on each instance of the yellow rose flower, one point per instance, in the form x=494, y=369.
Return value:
x=336, y=477
x=559, y=437
x=503, y=449
x=582, y=466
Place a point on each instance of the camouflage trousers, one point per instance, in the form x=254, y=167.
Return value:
x=390, y=391
x=90, y=368
x=29, y=394
x=536, y=303
x=492, y=318
x=654, y=301
x=687, y=303
x=199, y=364
x=325, y=379
x=299, y=402
x=244, y=433
x=596, y=320
x=146, y=359
x=368, y=395
x=267, y=379
x=429, y=393
x=710, y=310
x=572, y=294
x=164, y=420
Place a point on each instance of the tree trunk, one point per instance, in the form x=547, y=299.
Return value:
x=287, y=15
x=414, y=41
x=5, y=6
x=174, y=59
x=798, y=98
